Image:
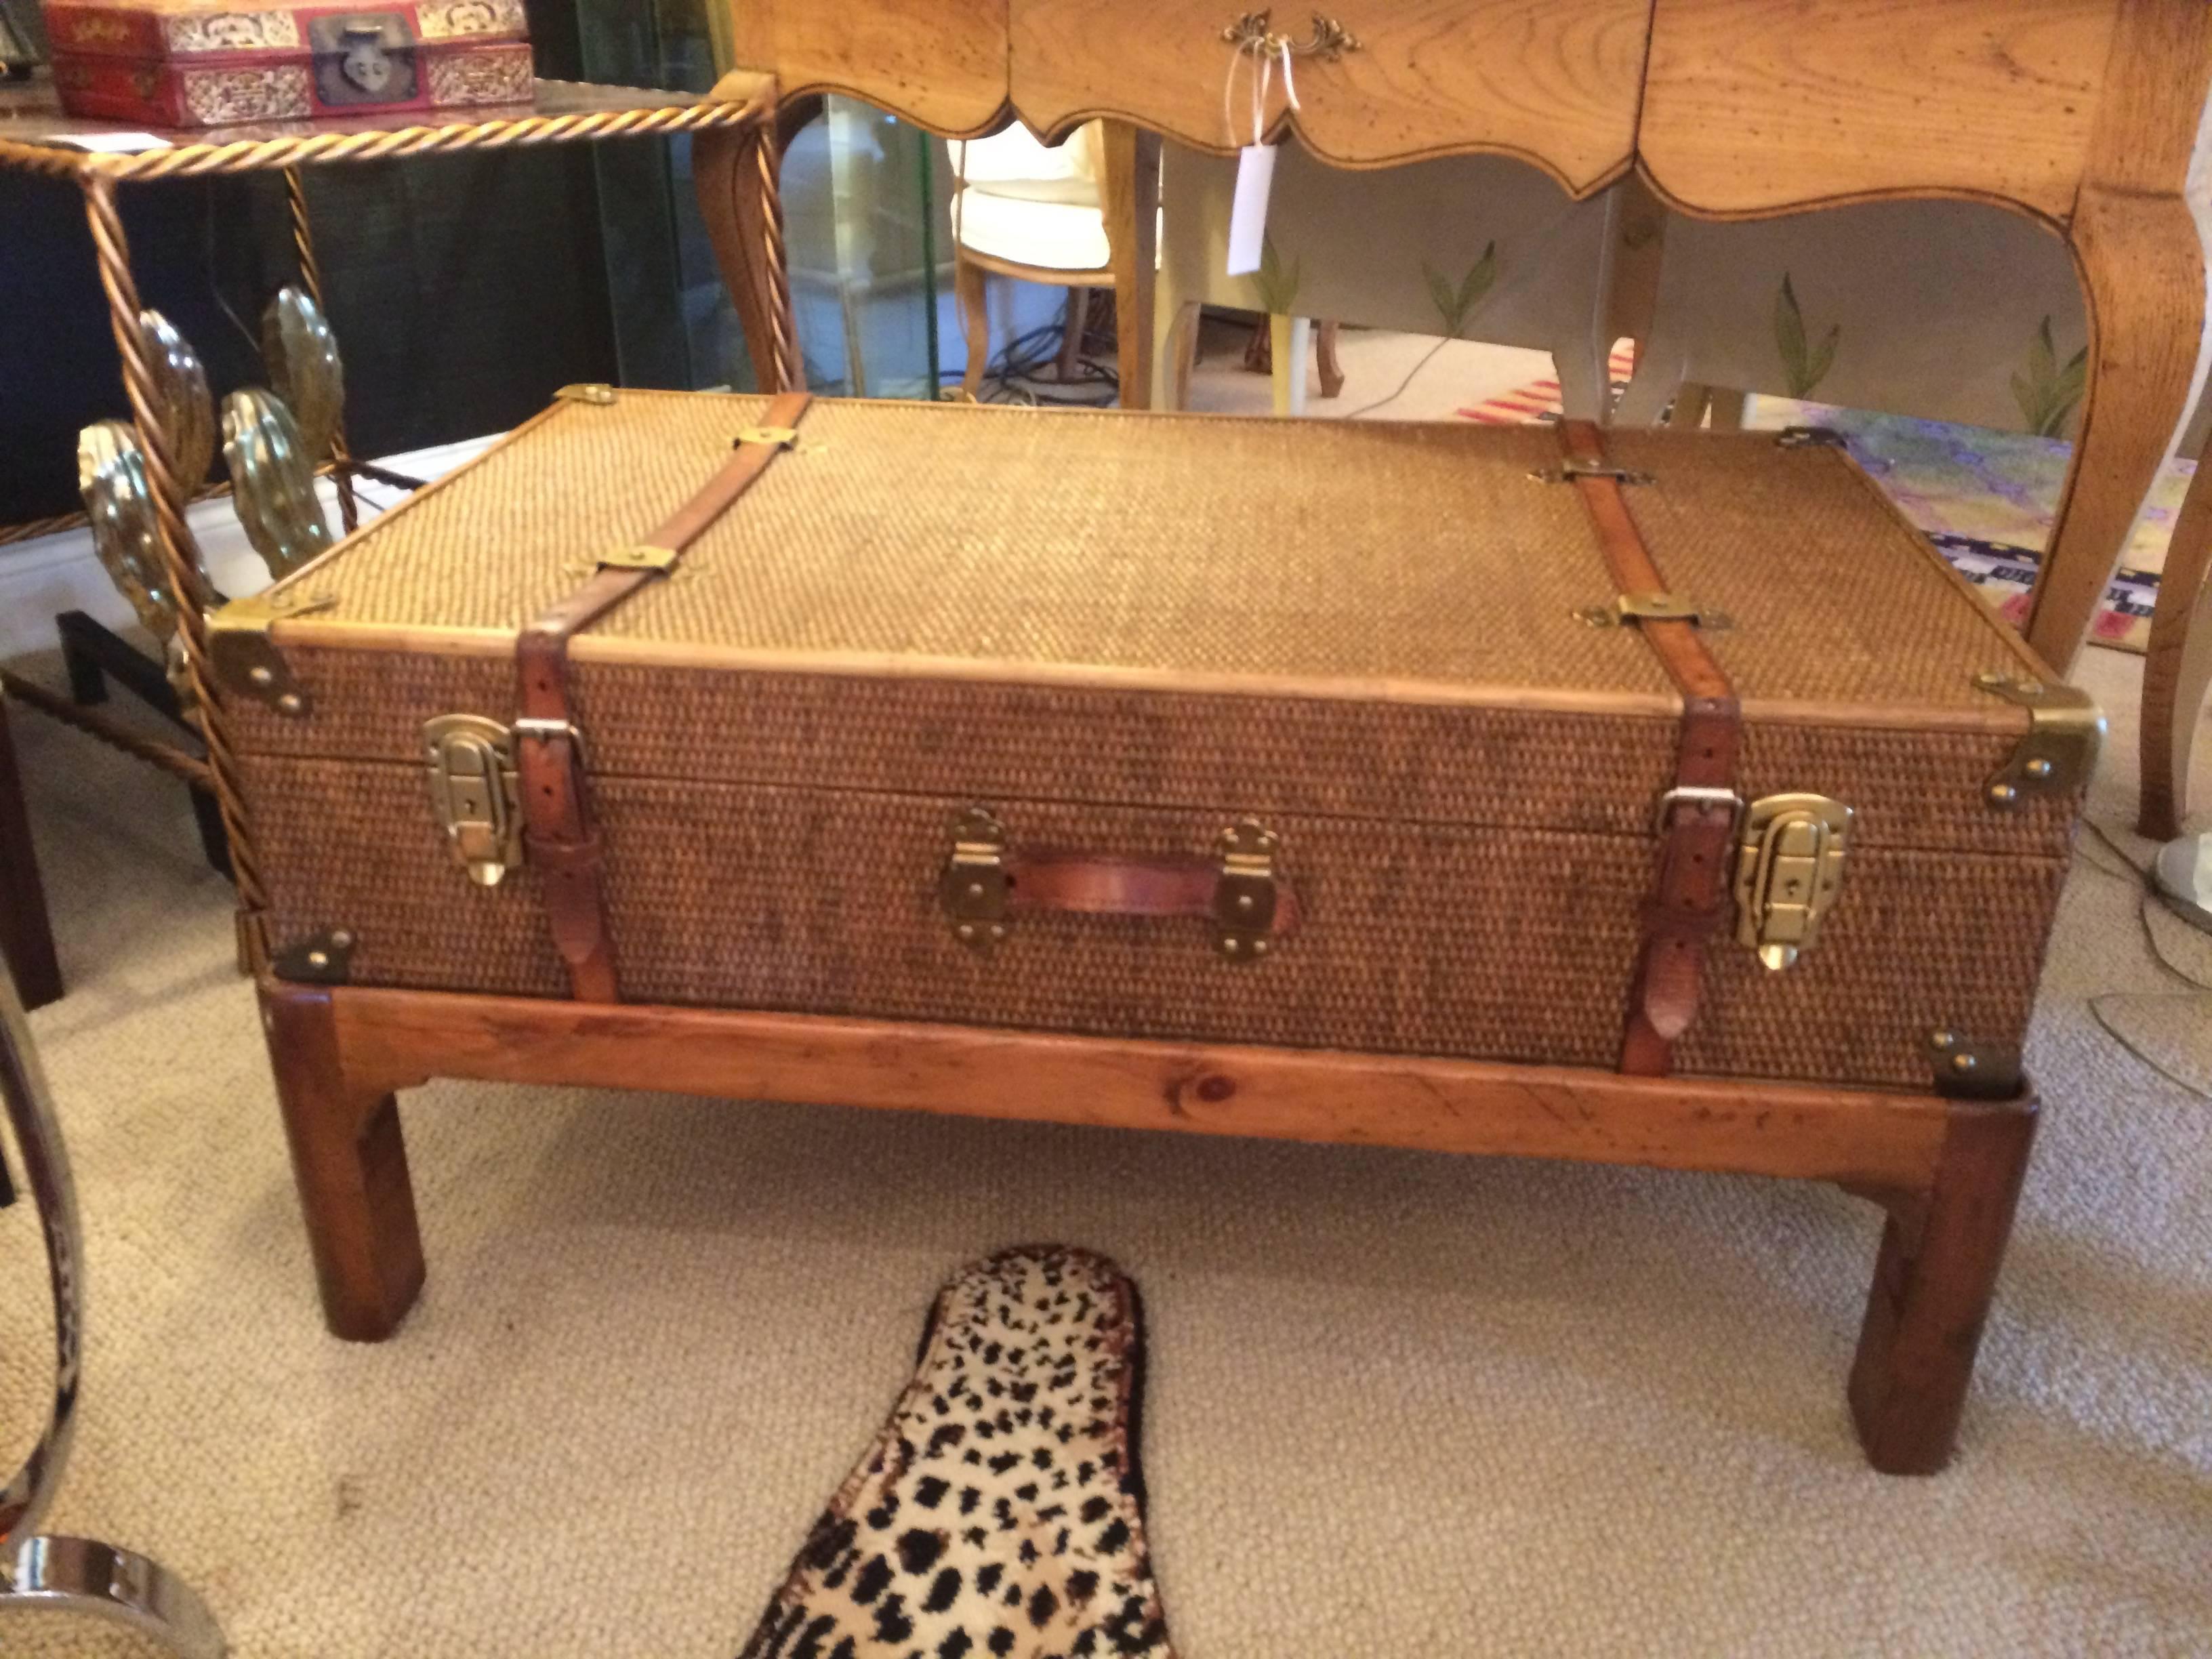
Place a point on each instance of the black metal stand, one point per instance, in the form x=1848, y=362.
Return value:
x=92, y=655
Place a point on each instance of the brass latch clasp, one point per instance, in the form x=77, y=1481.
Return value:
x=1790, y=867
x=976, y=885
x=475, y=793
x=1244, y=892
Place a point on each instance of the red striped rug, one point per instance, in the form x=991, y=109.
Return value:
x=1539, y=399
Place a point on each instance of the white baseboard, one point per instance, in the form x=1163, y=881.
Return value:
x=39, y=580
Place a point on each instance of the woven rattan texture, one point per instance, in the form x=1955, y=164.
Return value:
x=1918, y=942
x=1421, y=552
x=1415, y=939
x=1236, y=754
x=1512, y=945
x=1227, y=546
x=1835, y=598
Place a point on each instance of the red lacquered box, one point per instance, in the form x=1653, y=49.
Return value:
x=206, y=62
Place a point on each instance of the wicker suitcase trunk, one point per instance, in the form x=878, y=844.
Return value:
x=1280, y=732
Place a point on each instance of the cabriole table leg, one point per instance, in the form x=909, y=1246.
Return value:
x=1933, y=1284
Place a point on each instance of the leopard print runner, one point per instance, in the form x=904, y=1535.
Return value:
x=1000, y=1511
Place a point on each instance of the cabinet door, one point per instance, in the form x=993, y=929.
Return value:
x=1554, y=81
x=940, y=63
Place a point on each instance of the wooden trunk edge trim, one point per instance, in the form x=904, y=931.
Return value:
x=1996, y=719
x=398, y=1039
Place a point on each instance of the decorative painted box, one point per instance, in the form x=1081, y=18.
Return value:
x=218, y=63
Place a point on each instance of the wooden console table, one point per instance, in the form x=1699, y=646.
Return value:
x=2082, y=114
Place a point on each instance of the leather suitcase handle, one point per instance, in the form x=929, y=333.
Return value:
x=985, y=886
x=1101, y=885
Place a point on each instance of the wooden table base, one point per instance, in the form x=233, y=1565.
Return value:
x=1947, y=1171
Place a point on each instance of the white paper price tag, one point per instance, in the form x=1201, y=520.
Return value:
x=1248, y=214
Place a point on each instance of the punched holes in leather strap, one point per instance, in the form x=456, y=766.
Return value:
x=1697, y=818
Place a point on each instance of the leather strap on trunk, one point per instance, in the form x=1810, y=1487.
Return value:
x=1698, y=818
x=562, y=844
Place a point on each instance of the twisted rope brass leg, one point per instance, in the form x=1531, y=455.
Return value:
x=311, y=278
x=768, y=157
x=179, y=557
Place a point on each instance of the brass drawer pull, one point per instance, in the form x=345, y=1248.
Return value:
x=1254, y=33
x=1239, y=890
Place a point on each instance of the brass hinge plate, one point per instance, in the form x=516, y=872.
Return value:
x=975, y=886
x=475, y=793
x=598, y=393
x=783, y=437
x=1569, y=471
x=246, y=661
x=1244, y=897
x=323, y=959
x=1790, y=867
x=1810, y=437
x=2066, y=731
x=643, y=556
x=1635, y=608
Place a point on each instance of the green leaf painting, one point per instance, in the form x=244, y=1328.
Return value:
x=1276, y=285
x=1803, y=366
x=1455, y=305
x=2047, y=393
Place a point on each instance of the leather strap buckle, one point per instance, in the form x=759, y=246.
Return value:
x=546, y=730
x=1684, y=795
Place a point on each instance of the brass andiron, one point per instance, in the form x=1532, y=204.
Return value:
x=111, y=474
x=272, y=478
x=304, y=367
x=71, y=1575
x=181, y=386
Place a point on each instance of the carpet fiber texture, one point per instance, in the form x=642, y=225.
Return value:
x=1397, y=1404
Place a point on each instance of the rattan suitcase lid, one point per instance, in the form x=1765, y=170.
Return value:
x=1177, y=550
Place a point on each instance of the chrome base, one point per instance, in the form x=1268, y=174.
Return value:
x=2183, y=877
x=71, y=1575
x=80, y=1576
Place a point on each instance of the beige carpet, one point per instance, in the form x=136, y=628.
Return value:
x=1399, y=1405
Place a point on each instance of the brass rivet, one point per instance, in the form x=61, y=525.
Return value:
x=998, y=930
x=1963, y=1062
x=2028, y=688
x=342, y=939
x=2003, y=793
x=2038, y=767
x=1243, y=901
x=1232, y=945
x=967, y=930
x=289, y=703
x=318, y=959
x=974, y=890
x=1944, y=1041
x=261, y=676
x=1259, y=947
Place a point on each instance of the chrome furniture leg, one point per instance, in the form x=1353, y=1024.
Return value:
x=71, y=1574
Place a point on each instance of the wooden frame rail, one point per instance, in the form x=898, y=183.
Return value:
x=1947, y=1170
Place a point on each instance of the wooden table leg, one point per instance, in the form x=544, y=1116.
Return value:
x=1131, y=197
x=2178, y=669
x=350, y=1165
x=2141, y=255
x=736, y=172
x=1932, y=1287
x=27, y=938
